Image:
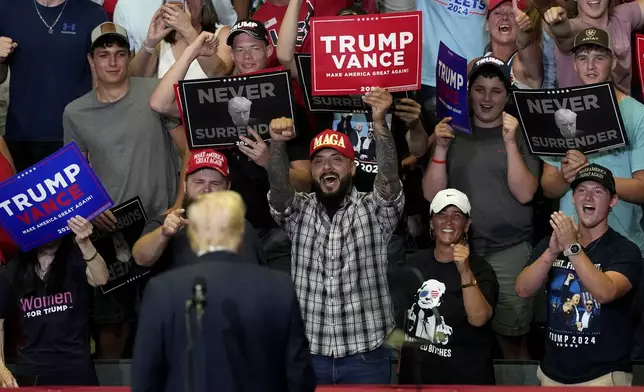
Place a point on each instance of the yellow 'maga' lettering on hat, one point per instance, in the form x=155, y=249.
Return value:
x=328, y=140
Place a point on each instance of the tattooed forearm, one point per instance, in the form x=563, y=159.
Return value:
x=278, y=175
x=387, y=183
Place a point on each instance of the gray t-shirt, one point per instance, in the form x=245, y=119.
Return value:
x=478, y=166
x=130, y=147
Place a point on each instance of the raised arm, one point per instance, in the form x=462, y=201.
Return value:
x=387, y=182
x=146, y=61
x=409, y=111
x=163, y=100
x=522, y=182
x=96, y=270
x=527, y=67
x=288, y=37
x=561, y=28
x=435, y=179
x=281, y=190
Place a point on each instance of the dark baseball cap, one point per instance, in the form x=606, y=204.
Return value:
x=492, y=64
x=251, y=27
x=592, y=36
x=597, y=173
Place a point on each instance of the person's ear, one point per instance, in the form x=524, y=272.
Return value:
x=612, y=68
x=467, y=226
x=613, y=201
x=269, y=50
x=228, y=186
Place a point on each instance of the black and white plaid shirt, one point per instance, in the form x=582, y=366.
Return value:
x=339, y=269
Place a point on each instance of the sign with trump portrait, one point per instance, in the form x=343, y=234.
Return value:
x=583, y=118
x=217, y=111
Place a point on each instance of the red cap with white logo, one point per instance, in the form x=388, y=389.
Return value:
x=332, y=139
x=207, y=159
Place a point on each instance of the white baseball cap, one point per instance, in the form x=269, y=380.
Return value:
x=450, y=197
x=108, y=29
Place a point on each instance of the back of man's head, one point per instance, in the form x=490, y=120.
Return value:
x=216, y=222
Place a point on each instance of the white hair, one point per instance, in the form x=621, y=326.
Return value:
x=565, y=116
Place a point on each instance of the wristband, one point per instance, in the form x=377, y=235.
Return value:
x=438, y=161
x=149, y=50
x=91, y=258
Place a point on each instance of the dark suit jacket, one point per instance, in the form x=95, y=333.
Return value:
x=369, y=152
x=253, y=336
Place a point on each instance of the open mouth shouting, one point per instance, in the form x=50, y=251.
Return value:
x=505, y=29
x=588, y=209
x=329, y=180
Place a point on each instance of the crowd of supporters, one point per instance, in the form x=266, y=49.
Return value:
x=405, y=238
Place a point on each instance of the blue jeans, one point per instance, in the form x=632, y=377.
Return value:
x=373, y=367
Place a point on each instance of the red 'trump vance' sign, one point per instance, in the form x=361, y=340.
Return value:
x=352, y=53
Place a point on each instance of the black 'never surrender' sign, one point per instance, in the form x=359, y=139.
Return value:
x=583, y=118
x=218, y=111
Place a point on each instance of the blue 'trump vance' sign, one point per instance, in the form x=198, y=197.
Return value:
x=36, y=203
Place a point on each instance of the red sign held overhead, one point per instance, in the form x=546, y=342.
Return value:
x=350, y=54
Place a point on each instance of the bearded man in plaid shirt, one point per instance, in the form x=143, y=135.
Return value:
x=339, y=254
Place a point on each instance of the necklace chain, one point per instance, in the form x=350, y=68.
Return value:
x=51, y=28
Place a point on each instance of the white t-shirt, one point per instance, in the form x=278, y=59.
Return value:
x=135, y=16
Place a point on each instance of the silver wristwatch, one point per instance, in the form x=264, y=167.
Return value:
x=572, y=250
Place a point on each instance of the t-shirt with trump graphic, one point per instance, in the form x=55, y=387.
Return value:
x=441, y=346
x=54, y=320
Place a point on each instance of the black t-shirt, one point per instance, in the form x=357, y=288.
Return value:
x=251, y=180
x=178, y=253
x=55, y=325
x=446, y=348
x=586, y=339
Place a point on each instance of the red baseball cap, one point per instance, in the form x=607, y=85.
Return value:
x=207, y=159
x=332, y=139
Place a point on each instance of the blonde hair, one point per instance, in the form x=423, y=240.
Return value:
x=216, y=222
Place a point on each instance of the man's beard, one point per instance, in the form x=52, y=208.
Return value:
x=333, y=199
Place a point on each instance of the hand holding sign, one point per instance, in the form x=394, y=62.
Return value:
x=158, y=29
x=510, y=126
x=444, y=134
x=173, y=223
x=7, y=47
x=521, y=18
x=256, y=149
x=380, y=101
x=281, y=130
x=81, y=227
x=555, y=16
x=408, y=110
x=572, y=163
x=106, y=221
